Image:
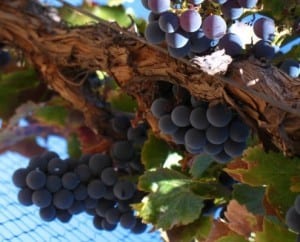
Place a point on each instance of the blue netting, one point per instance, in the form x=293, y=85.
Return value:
x=20, y=223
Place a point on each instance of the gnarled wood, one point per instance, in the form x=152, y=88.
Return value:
x=266, y=98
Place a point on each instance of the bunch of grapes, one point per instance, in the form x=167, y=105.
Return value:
x=188, y=30
x=4, y=56
x=292, y=217
x=95, y=184
x=212, y=129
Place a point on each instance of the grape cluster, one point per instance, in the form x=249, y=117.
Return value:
x=189, y=29
x=91, y=184
x=4, y=56
x=212, y=129
x=292, y=217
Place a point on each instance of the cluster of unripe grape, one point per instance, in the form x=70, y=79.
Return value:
x=202, y=128
x=96, y=184
x=292, y=217
x=187, y=33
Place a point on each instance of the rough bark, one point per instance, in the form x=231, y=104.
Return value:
x=267, y=99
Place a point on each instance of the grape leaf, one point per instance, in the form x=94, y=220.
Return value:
x=74, y=150
x=272, y=170
x=275, y=233
x=56, y=115
x=122, y=102
x=251, y=197
x=200, y=164
x=170, y=202
x=154, y=152
x=232, y=238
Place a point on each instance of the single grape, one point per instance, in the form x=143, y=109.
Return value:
x=109, y=176
x=178, y=39
x=91, y=211
x=104, y=205
x=159, y=6
x=193, y=151
x=127, y=220
x=19, y=177
x=123, y=151
x=25, y=196
x=160, y=107
x=198, y=118
x=42, y=198
x=180, y=52
x=124, y=206
x=222, y=157
x=248, y=3
x=77, y=207
x=166, y=125
x=98, y=162
x=292, y=219
x=124, y=189
x=238, y=130
x=178, y=136
x=63, y=215
x=90, y=203
x=291, y=67
x=263, y=49
x=180, y=115
x=214, y=27
x=231, y=9
x=139, y=227
x=217, y=135
x=137, y=135
x=63, y=199
x=70, y=180
x=80, y=193
x=219, y=115
x=97, y=222
x=4, y=58
x=112, y=215
x=36, y=179
x=83, y=172
x=264, y=28
x=84, y=159
x=107, y=226
x=145, y=4
x=195, y=139
x=109, y=194
x=168, y=22
x=38, y=162
x=96, y=189
x=48, y=214
x=153, y=33
x=199, y=42
x=153, y=17
x=49, y=155
x=53, y=183
x=212, y=149
x=120, y=124
x=232, y=44
x=234, y=149
x=190, y=20
x=56, y=166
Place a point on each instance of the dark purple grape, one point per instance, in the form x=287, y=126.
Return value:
x=190, y=20
x=159, y=6
x=180, y=115
x=178, y=39
x=139, y=227
x=248, y=3
x=217, y=135
x=166, y=125
x=53, y=183
x=212, y=149
x=97, y=222
x=195, y=139
x=90, y=203
x=36, y=179
x=222, y=157
x=137, y=135
x=123, y=151
x=263, y=49
x=198, y=118
x=103, y=205
x=234, y=149
x=168, y=22
x=80, y=193
x=19, y=177
x=70, y=180
x=160, y=107
x=48, y=214
x=145, y=4
x=112, y=215
x=199, y=42
x=180, y=52
x=109, y=194
x=63, y=215
x=25, y=196
x=4, y=58
x=42, y=198
x=48, y=155
x=291, y=67
x=178, y=136
x=83, y=172
x=153, y=17
x=124, y=206
x=124, y=189
x=220, y=1
x=153, y=33
x=109, y=176
x=96, y=189
x=219, y=115
x=231, y=9
x=98, y=162
x=56, y=166
x=238, y=130
x=107, y=226
x=196, y=2
x=38, y=162
x=63, y=199
x=193, y=151
x=214, y=27
x=297, y=204
x=127, y=220
x=292, y=219
x=264, y=28
x=120, y=124
x=232, y=44
x=84, y=159
x=77, y=207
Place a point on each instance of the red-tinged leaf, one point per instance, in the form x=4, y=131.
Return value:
x=219, y=229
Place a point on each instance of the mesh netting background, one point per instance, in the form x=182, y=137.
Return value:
x=20, y=223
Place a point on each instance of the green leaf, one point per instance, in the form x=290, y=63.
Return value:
x=199, y=230
x=251, y=197
x=74, y=150
x=232, y=238
x=200, y=164
x=123, y=102
x=171, y=201
x=274, y=232
x=55, y=115
x=272, y=170
x=154, y=152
